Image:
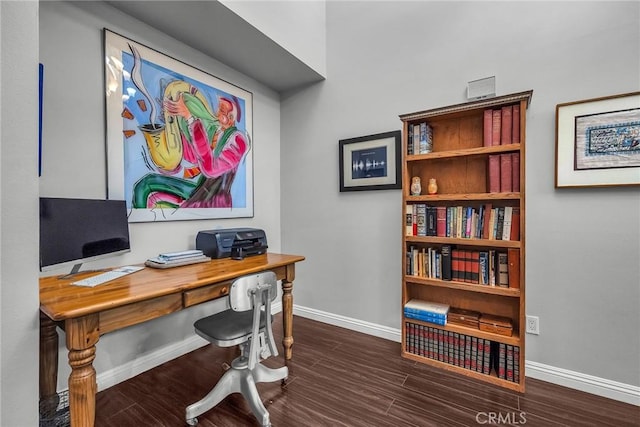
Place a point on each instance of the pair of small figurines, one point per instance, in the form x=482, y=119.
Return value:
x=416, y=186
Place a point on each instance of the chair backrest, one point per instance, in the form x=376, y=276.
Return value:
x=242, y=288
x=255, y=292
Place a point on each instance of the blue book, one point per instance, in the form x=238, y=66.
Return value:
x=433, y=320
x=425, y=314
x=484, y=268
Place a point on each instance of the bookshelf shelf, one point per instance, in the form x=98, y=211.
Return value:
x=479, y=151
x=514, y=339
x=453, y=254
x=491, y=378
x=473, y=287
x=466, y=242
x=464, y=196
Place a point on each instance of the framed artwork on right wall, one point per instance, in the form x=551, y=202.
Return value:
x=598, y=142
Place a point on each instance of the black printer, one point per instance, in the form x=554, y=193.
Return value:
x=236, y=243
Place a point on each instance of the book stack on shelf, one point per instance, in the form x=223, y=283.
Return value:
x=464, y=245
x=463, y=222
x=426, y=311
x=482, y=267
x=460, y=349
x=501, y=126
x=464, y=351
x=420, y=139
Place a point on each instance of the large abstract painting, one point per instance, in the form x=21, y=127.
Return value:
x=178, y=139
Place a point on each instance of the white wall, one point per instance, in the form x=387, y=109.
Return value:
x=388, y=58
x=74, y=160
x=352, y=241
x=19, y=314
x=298, y=26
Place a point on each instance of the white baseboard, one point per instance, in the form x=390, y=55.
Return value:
x=595, y=385
x=368, y=328
x=148, y=361
x=563, y=377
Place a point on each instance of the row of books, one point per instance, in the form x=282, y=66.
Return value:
x=419, y=138
x=501, y=126
x=463, y=222
x=441, y=314
x=465, y=351
x=484, y=267
x=504, y=173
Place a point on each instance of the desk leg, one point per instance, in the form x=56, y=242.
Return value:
x=82, y=336
x=49, y=398
x=287, y=311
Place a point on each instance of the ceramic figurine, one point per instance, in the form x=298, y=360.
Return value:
x=432, y=188
x=416, y=187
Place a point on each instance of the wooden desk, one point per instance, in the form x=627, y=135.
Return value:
x=86, y=313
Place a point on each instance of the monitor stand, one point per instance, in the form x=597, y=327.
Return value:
x=76, y=269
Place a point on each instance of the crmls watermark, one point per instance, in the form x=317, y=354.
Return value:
x=497, y=418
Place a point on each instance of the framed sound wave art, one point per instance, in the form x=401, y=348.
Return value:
x=178, y=138
x=370, y=162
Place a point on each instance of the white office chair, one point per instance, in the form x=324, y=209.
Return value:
x=248, y=325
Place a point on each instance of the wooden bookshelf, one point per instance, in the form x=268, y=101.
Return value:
x=458, y=158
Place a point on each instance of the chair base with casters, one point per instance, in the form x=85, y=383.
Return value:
x=245, y=324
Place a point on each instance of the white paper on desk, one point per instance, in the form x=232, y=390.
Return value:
x=158, y=260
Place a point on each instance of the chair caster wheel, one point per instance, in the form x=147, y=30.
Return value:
x=192, y=422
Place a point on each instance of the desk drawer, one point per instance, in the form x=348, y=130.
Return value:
x=132, y=314
x=206, y=293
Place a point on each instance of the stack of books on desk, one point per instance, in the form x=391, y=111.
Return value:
x=175, y=259
x=426, y=311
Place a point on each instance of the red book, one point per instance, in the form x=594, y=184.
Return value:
x=486, y=232
x=468, y=261
x=494, y=173
x=488, y=127
x=496, y=128
x=515, y=224
x=441, y=221
x=515, y=172
x=515, y=124
x=455, y=264
x=475, y=266
x=505, y=173
x=506, y=126
x=513, y=258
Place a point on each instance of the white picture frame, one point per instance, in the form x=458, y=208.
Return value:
x=581, y=128
x=154, y=162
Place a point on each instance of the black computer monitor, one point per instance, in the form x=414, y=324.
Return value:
x=74, y=231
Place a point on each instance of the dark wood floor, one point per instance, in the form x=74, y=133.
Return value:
x=343, y=378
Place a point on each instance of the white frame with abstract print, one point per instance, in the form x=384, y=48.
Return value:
x=145, y=144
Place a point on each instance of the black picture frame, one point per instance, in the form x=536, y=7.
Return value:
x=370, y=162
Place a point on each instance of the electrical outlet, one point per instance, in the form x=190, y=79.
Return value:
x=533, y=325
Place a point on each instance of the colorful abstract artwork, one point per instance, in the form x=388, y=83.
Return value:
x=179, y=140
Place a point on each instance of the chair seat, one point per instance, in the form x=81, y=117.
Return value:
x=228, y=328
